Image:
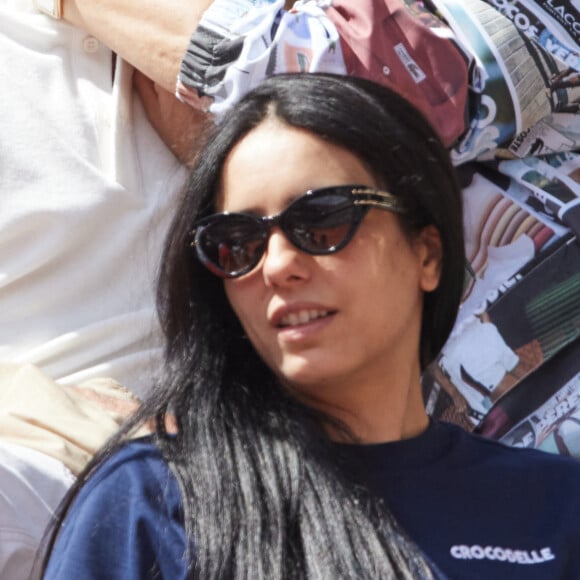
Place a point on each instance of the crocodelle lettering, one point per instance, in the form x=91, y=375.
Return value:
x=477, y=552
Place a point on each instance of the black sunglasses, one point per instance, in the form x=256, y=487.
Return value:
x=322, y=221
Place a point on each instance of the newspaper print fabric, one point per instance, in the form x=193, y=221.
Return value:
x=240, y=42
x=511, y=369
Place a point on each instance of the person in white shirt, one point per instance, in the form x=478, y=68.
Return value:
x=87, y=189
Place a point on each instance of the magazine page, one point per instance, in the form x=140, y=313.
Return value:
x=520, y=177
x=512, y=248
x=491, y=125
x=561, y=16
x=552, y=25
x=551, y=190
x=544, y=410
x=520, y=88
x=503, y=233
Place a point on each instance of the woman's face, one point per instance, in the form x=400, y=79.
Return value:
x=320, y=322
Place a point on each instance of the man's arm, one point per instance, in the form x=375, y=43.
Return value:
x=152, y=35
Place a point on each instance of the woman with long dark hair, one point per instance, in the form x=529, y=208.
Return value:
x=313, y=269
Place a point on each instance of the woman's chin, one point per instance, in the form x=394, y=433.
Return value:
x=306, y=376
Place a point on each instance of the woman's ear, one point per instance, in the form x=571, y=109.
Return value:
x=430, y=254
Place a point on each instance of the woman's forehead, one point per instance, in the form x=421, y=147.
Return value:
x=275, y=163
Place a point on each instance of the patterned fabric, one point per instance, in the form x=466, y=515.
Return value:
x=240, y=42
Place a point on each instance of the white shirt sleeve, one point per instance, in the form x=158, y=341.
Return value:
x=31, y=487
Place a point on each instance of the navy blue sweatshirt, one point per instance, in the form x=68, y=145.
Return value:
x=477, y=508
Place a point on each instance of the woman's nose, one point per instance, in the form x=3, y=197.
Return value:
x=283, y=261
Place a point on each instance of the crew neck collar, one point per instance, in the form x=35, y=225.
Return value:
x=427, y=447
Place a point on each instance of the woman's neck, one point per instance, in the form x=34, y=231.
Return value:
x=385, y=419
x=375, y=411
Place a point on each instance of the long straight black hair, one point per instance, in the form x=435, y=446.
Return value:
x=263, y=495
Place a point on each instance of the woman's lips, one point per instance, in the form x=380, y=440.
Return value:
x=303, y=324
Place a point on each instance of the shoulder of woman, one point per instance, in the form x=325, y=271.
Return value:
x=511, y=458
x=136, y=472
x=126, y=521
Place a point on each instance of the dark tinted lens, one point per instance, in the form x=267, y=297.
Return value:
x=233, y=243
x=320, y=222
